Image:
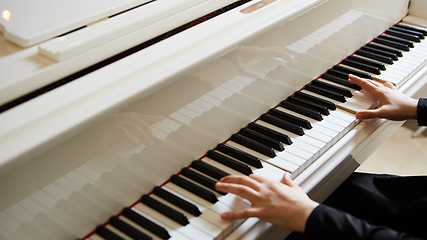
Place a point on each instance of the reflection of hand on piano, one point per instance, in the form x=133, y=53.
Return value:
x=129, y=127
x=244, y=54
x=394, y=104
x=284, y=204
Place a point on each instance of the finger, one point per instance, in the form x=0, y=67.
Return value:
x=370, y=86
x=259, y=178
x=240, y=214
x=244, y=180
x=287, y=180
x=375, y=83
x=238, y=189
x=390, y=85
x=368, y=114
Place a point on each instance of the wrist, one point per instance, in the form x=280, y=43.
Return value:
x=306, y=212
x=413, y=109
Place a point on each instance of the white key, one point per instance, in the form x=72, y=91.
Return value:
x=268, y=171
x=343, y=115
x=95, y=237
x=228, y=200
x=294, y=159
x=210, y=211
x=313, y=138
x=327, y=121
x=188, y=231
x=198, y=222
x=322, y=138
x=280, y=163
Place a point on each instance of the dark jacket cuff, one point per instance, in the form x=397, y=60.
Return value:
x=329, y=223
x=422, y=112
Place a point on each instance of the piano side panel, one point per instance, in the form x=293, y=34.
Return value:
x=115, y=160
x=417, y=8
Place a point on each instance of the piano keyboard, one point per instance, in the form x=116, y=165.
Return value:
x=287, y=138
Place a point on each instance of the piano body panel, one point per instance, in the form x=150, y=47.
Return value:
x=33, y=24
x=417, y=9
x=114, y=134
x=24, y=70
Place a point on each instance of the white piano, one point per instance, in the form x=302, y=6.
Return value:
x=88, y=128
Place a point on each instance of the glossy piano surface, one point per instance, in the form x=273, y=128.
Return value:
x=61, y=50
x=77, y=155
x=27, y=24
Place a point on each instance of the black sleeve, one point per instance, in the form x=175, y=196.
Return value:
x=422, y=112
x=329, y=223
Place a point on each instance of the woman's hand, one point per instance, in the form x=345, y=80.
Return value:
x=394, y=104
x=281, y=203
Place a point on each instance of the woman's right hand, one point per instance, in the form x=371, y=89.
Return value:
x=394, y=104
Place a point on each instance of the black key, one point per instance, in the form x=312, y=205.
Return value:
x=165, y=210
x=208, y=170
x=290, y=118
x=194, y=188
x=424, y=32
x=392, y=44
x=304, y=111
x=258, y=137
x=146, y=223
x=229, y=162
x=326, y=93
x=307, y=104
x=379, y=52
x=344, y=91
x=128, y=229
x=270, y=133
x=407, y=31
x=406, y=36
x=254, y=145
x=338, y=74
x=385, y=49
x=200, y=179
x=361, y=66
x=351, y=71
x=376, y=64
x=330, y=105
x=375, y=56
x=177, y=201
x=397, y=40
x=282, y=124
x=240, y=155
x=107, y=233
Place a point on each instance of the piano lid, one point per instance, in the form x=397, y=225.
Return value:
x=30, y=22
